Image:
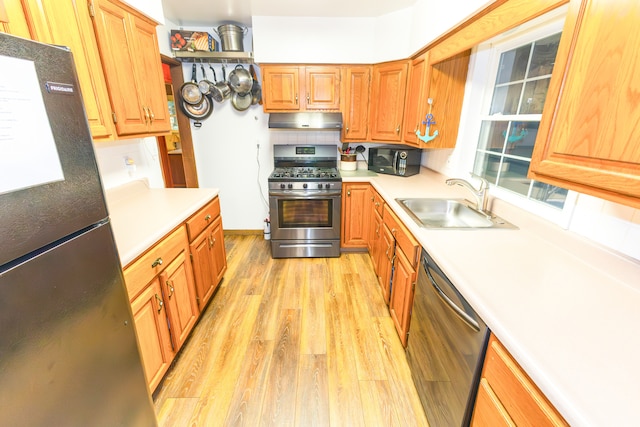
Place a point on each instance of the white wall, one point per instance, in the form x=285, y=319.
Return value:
x=151, y=8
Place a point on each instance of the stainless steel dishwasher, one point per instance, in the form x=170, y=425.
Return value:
x=446, y=347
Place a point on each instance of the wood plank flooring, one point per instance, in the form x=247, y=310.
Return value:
x=291, y=342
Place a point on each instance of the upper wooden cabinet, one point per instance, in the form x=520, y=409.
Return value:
x=589, y=133
x=388, y=87
x=443, y=85
x=68, y=23
x=12, y=19
x=300, y=88
x=131, y=60
x=355, y=114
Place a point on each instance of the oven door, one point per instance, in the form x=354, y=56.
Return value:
x=301, y=215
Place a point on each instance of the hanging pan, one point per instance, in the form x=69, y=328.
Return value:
x=240, y=80
x=241, y=101
x=220, y=90
x=205, y=85
x=190, y=91
x=256, y=90
x=198, y=112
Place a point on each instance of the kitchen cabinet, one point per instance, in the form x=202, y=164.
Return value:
x=507, y=396
x=162, y=294
x=131, y=60
x=588, y=137
x=149, y=317
x=300, y=88
x=386, y=253
x=13, y=19
x=374, y=244
x=355, y=115
x=206, y=245
x=443, y=83
x=68, y=23
x=355, y=215
x=405, y=273
x=388, y=88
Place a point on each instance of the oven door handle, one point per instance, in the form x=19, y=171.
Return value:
x=297, y=195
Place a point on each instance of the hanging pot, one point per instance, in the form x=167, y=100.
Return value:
x=240, y=80
x=220, y=90
x=256, y=90
x=241, y=101
x=190, y=91
x=205, y=85
x=199, y=111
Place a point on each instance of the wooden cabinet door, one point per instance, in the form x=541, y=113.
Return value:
x=68, y=23
x=153, y=334
x=209, y=261
x=375, y=240
x=589, y=133
x=404, y=279
x=355, y=215
x=179, y=293
x=416, y=107
x=385, y=263
x=149, y=71
x=114, y=35
x=388, y=90
x=280, y=88
x=13, y=19
x=322, y=88
x=447, y=81
x=356, y=106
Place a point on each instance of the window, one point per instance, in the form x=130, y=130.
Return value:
x=510, y=124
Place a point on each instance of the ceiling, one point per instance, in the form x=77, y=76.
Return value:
x=207, y=12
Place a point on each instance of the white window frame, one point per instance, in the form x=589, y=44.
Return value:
x=483, y=71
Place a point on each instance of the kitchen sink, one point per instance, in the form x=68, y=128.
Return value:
x=450, y=213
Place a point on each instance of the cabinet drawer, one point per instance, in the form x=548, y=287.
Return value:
x=524, y=402
x=152, y=262
x=488, y=411
x=403, y=237
x=204, y=217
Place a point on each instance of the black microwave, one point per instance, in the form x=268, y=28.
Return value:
x=395, y=160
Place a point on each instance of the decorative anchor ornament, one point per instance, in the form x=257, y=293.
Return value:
x=429, y=120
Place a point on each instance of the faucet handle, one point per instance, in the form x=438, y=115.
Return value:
x=484, y=184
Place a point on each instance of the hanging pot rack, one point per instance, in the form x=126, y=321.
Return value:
x=214, y=57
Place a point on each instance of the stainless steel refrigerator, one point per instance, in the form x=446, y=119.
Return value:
x=68, y=349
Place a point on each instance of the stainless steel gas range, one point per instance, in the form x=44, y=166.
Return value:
x=305, y=191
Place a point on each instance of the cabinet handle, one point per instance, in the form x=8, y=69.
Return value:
x=347, y=129
x=146, y=114
x=156, y=263
x=171, y=288
x=398, y=129
x=348, y=193
x=296, y=99
x=151, y=115
x=160, y=303
x=308, y=98
x=207, y=218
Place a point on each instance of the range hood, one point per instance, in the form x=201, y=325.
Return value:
x=310, y=121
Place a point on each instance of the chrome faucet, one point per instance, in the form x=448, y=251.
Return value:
x=480, y=194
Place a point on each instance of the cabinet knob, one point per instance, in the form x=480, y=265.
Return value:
x=347, y=129
x=207, y=218
x=296, y=99
x=308, y=98
x=348, y=193
x=156, y=263
x=398, y=129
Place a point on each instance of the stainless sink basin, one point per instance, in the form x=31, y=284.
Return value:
x=450, y=213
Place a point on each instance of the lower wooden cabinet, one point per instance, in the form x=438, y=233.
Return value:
x=149, y=316
x=163, y=300
x=355, y=215
x=207, y=250
x=508, y=397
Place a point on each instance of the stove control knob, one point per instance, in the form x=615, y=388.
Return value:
x=282, y=185
x=320, y=186
x=290, y=185
x=327, y=186
x=304, y=185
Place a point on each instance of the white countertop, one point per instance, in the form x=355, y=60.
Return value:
x=141, y=216
x=565, y=308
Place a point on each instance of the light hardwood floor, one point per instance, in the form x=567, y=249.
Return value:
x=291, y=342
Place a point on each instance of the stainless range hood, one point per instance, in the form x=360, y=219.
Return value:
x=309, y=121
